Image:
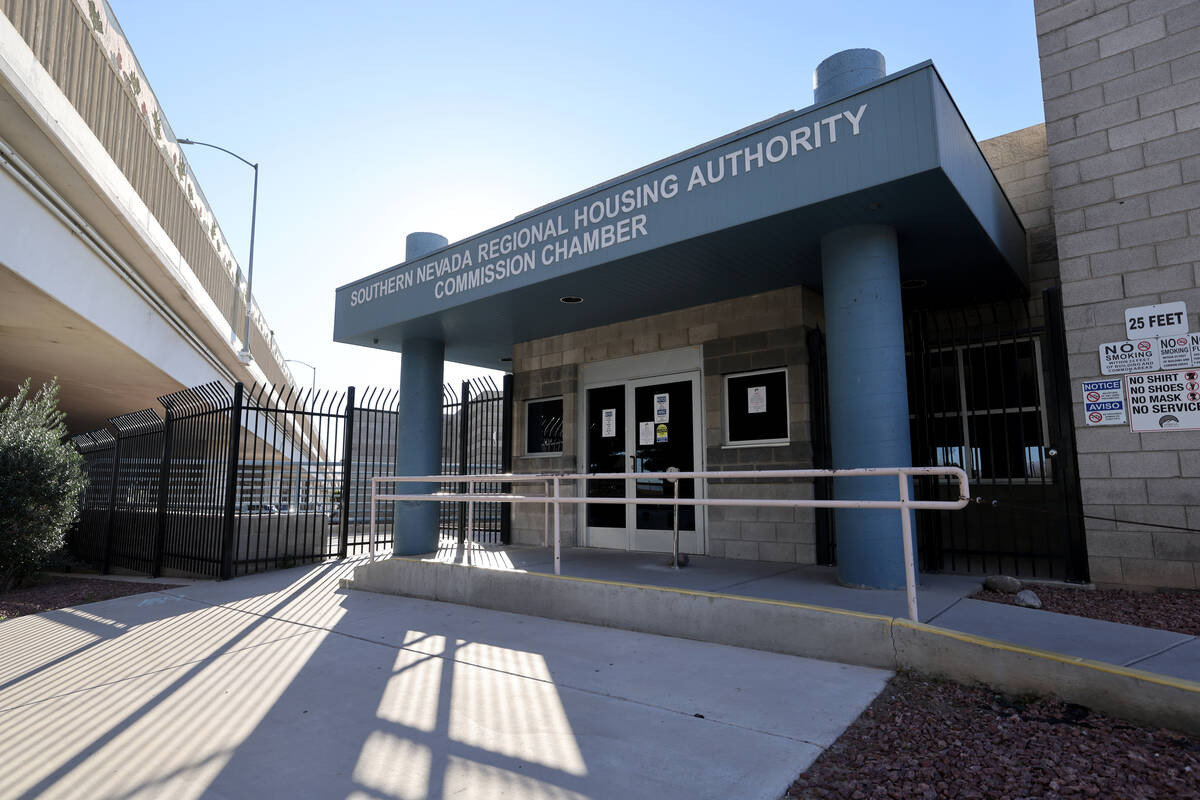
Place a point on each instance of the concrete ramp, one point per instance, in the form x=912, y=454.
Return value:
x=799, y=629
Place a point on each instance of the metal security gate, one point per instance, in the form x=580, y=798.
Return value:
x=473, y=443
x=988, y=392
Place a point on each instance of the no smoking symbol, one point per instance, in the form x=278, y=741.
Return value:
x=1093, y=397
x=1143, y=346
x=1095, y=416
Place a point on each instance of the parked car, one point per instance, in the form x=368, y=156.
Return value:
x=258, y=508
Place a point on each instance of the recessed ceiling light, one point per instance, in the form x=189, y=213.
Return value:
x=570, y=299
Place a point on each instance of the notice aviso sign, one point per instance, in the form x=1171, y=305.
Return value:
x=1103, y=402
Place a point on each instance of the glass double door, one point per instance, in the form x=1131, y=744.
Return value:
x=645, y=425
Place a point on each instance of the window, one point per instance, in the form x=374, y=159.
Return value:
x=544, y=427
x=756, y=408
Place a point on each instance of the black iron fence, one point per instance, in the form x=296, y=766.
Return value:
x=228, y=483
x=988, y=392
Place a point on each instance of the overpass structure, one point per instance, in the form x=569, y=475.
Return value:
x=114, y=273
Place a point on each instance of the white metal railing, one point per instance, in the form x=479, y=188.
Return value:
x=554, y=498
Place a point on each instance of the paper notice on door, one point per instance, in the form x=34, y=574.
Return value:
x=608, y=423
x=660, y=433
x=645, y=433
x=662, y=407
x=756, y=400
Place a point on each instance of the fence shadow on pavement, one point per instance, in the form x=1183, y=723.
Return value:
x=282, y=684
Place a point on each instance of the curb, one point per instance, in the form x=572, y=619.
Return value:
x=117, y=578
x=799, y=629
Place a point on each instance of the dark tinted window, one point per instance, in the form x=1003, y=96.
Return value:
x=544, y=426
x=757, y=407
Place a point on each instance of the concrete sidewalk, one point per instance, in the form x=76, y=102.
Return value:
x=942, y=601
x=284, y=685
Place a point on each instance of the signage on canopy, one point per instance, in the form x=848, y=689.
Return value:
x=728, y=202
x=751, y=175
x=609, y=219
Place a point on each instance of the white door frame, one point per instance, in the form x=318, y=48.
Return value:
x=666, y=366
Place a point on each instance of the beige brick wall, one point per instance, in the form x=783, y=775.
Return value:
x=1022, y=165
x=1121, y=88
x=746, y=333
x=530, y=522
x=766, y=534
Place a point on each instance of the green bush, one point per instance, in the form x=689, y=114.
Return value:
x=41, y=480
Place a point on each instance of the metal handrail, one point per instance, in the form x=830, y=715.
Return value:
x=903, y=503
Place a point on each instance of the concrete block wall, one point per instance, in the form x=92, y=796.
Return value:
x=1022, y=165
x=1121, y=89
x=530, y=523
x=746, y=333
x=763, y=534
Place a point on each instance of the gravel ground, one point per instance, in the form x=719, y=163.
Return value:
x=1166, y=611
x=55, y=592
x=925, y=738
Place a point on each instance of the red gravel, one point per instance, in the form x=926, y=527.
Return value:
x=55, y=592
x=925, y=738
x=1167, y=611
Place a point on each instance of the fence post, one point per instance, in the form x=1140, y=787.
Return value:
x=164, y=483
x=818, y=389
x=557, y=530
x=231, y=479
x=347, y=466
x=464, y=422
x=106, y=556
x=506, y=455
x=1062, y=437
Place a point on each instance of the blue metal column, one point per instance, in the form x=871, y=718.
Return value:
x=419, y=432
x=868, y=391
x=868, y=396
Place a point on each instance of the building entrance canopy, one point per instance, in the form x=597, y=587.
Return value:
x=739, y=215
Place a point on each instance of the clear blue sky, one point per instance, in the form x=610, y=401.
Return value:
x=374, y=119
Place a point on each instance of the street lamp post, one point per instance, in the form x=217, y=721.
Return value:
x=245, y=355
x=310, y=366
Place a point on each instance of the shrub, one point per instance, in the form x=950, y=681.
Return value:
x=41, y=480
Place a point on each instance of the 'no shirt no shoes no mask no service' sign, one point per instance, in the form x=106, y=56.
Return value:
x=1162, y=401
